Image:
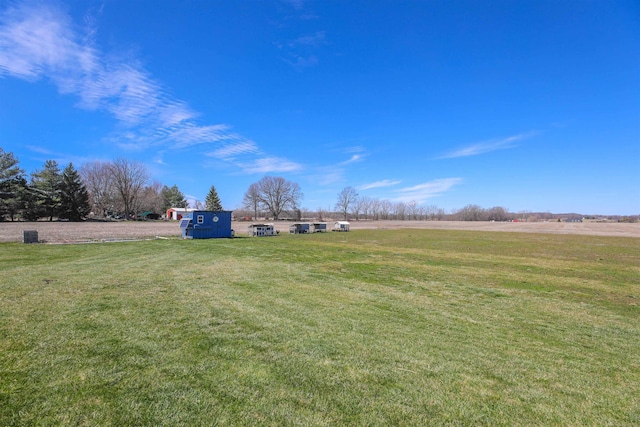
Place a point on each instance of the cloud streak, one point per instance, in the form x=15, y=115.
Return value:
x=312, y=40
x=488, y=146
x=41, y=42
x=269, y=165
x=422, y=192
x=353, y=159
x=246, y=155
x=379, y=184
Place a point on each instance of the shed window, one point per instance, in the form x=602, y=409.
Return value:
x=200, y=219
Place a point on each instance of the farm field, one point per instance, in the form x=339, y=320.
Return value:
x=373, y=327
x=65, y=232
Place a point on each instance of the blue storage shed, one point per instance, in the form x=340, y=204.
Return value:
x=206, y=225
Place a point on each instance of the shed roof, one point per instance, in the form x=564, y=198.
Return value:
x=181, y=209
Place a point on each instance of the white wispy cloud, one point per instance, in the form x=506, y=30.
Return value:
x=38, y=41
x=269, y=165
x=63, y=159
x=301, y=61
x=379, y=184
x=39, y=150
x=356, y=154
x=313, y=40
x=231, y=151
x=353, y=159
x=354, y=149
x=335, y=173
x=297, y=4
x=422, y=192
x=302, y=52
x=488, y=146
x=327, y=176
x=158, y=158
x=245, y=155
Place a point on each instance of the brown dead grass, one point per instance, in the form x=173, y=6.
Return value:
x=92, y=231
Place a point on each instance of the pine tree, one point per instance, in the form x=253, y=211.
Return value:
x=213, y=201
x=11, y=185
x=172, y=197
x=45, y=186
x=16, y=203
x=31, y=208
x=74, y=198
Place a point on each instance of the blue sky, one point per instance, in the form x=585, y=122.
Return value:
x=529, y=105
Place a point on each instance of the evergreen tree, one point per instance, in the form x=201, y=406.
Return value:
x=30, y=209
x=46, y=188
x=11, y=180
x=74, y=197
x=172, y=198
x=16, y=203
x=212, y=201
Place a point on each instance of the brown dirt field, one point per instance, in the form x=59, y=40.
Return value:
x=95, y=231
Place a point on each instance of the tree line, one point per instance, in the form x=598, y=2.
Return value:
x=122, y=189
x=117, y=189
x=49, y=193
x=351, y=204
x=273, y=197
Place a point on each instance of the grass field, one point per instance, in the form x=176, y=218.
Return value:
x=372, y=327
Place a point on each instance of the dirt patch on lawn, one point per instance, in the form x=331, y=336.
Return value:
x=97, y=231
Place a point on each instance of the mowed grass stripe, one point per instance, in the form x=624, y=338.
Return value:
x=384, y=327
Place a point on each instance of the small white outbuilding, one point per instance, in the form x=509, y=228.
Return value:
x=341, y=226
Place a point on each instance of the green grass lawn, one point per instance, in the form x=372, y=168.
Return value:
x=402, y=327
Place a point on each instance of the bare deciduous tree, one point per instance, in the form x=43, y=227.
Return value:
x=385, y=209
x=251, y=200
x=277, y=194
x=364, y=206
x=375, y=209
x=96, y=176
x=346, y=200
x=412, y=209
x=434, y=213
x=399, y=210
x=129, y=179
x=151, y=197
x=498, y=213
x=471, y=213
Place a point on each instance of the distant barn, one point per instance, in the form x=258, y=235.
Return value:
x=176, y=214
